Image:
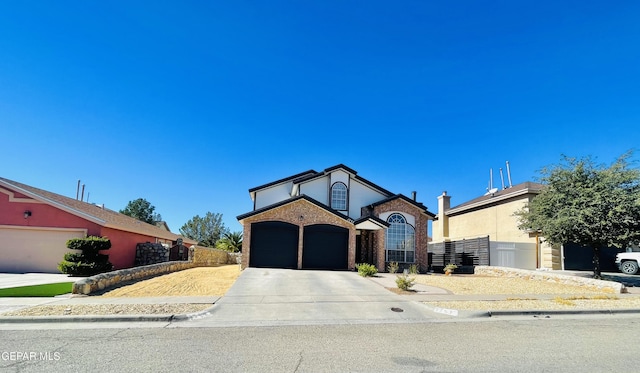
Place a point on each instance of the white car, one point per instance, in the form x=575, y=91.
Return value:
x=628, y=262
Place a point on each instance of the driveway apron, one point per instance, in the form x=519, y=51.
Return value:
x=266, y=296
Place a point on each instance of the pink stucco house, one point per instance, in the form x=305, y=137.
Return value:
x=35, y=225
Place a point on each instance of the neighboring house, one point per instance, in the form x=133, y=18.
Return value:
x=35, y=225
x=332, y=219
x=491, y=217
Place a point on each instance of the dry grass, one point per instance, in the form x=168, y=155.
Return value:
x=110, y=309
x=201, y=281
x=559, y=303
x=470, y=284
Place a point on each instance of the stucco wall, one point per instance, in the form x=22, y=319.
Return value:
x=123, y=246
x=42, y=215
x=300, y=213
x=272, y=195
x=498, y=222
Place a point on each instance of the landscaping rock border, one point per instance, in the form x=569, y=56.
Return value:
x=198, y=257
x=609, y=286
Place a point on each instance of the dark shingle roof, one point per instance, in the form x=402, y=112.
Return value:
x=408, y=200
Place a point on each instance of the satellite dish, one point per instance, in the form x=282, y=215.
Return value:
x=491, y=191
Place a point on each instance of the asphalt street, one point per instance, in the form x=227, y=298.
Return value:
x=596, y=344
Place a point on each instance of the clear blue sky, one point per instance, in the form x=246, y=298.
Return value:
x=189, y=104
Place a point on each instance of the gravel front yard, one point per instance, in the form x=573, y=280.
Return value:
x=522, y=294
x=215, y=281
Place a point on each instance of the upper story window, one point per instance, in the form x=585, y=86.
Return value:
x=339, y=196
x=400, y=240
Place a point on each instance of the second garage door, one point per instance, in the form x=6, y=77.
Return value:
x=325, y=247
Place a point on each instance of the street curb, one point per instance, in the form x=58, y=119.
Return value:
x=561, y=312
x=84, y=318
x=105, y=318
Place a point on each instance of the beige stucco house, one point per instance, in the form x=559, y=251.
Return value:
x=492, y=216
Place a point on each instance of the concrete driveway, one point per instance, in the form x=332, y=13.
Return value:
x=12, y=280
x=265, y=296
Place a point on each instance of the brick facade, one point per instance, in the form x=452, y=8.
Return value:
x=300, y=213
x=399, y=205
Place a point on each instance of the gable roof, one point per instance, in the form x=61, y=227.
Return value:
x=311, y=174
x=284, y=180
x=96, y=214
x=291, y=200
x=486, y=200
x=408, y=200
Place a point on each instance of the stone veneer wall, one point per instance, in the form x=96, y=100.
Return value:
x=151, y=253
x=550, y=276
x=421, y=232
x=206, y=256
x=198, y=257
x=105, y=280
x=300, y=213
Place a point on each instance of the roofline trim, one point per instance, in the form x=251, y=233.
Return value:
x=289, y=178
x=55, y=204
x=490, y=201
x=418, y=205
x=291, y=200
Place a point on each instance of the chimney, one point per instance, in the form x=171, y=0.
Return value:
x=444, y=204
x=413, y=195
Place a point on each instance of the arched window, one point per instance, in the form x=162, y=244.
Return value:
x=339, y=196
x=400, y=240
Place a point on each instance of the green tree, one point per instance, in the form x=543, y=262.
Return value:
x=593, y=205
x=142, y=210
x=231, y=241
x=206, y=230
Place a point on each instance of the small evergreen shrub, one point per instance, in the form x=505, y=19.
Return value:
x=89, y=262
x=449, y=268
x=405, y=282
x=413, y=269
x=366, y=270
x=393, y=267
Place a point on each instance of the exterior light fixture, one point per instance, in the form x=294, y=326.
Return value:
x=27, y=213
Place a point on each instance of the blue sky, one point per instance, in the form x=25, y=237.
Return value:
x=189, y=104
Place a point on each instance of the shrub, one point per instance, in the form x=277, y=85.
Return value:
x=449, y=268
x=413, y=269
x=366, y=270
x=89, y=262
x=392, y=267
x=405, y=282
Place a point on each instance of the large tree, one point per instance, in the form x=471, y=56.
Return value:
x=206, y=230
x=142, y=210
x=590, y=204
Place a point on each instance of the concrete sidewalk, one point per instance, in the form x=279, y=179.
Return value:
x=289, y=297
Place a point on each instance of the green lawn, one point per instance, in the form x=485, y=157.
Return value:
x=45, y=290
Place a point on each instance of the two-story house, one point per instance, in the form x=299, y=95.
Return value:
x=332, y=219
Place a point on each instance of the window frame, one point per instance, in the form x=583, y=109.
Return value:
x=392, y=235
x=346, y=196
